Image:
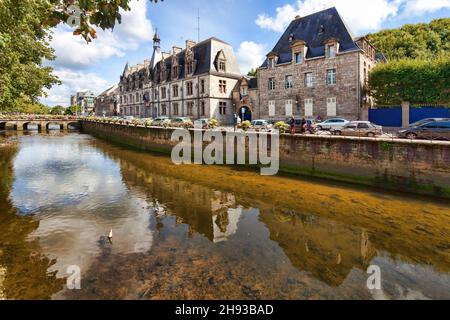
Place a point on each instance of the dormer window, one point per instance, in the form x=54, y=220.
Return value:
x=189, y=67
x=298, y=57
x=175, y=72
x=222, y=66
x=271, y=63
x=331, y=51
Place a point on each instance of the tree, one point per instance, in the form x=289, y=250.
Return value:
x=73, y=111
x=25, y=33
x=416, y=41
x=58, y=110
x=252, y=73
x=23, y=46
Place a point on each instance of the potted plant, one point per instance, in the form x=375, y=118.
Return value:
x=281, y=126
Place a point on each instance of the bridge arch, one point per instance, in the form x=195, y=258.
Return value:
x=3, y=125
x=27, y=124
x=74, y=124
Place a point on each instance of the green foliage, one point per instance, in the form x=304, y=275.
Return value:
x=58, y=110
x=419, y=41
x=416, y=81
x=252, y=73
x=73, y=111
x=281, y=126
x=23, y=47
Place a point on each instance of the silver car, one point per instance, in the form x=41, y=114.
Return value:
x=335, y=123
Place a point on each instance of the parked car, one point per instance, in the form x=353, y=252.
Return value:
x=427, y=120
x=180, y=120
x=434, y=130
x=332, y=124
x=261, y=125
x=310, y=126
x=160, y=120
x=359, y=129
x=129, y=118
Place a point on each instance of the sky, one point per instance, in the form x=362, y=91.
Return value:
x=252, y=27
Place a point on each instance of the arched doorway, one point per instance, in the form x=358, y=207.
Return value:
x=245, y=114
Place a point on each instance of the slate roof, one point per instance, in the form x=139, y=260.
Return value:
x=202, y=54
x=315, y=29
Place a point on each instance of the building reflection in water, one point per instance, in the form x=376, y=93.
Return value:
x=257, y=237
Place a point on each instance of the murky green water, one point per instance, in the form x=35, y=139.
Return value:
x=190, y=232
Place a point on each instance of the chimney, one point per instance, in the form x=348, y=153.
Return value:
x=176, y=50
x=190, y=44
x=298, y=17
x=166, y=55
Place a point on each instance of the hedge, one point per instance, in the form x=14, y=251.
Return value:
x=416, y=81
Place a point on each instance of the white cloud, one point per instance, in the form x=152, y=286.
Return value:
x=74, y=81
x=74, y=53
x=419, y=7
x=362, y=16
x=250, y=55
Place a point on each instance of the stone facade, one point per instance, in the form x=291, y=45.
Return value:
x=318, y=69
x=194, y=82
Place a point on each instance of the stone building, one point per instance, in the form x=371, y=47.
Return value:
x=246, y=98
x=106, y=104
x=194, y=82
x=317, y=68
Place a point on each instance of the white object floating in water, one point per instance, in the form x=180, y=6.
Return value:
x=110, y=236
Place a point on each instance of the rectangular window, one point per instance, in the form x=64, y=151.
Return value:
x=163, y=110
x=289, y=108
x=271, y=83
x=189, y=68
x=163, y=93
x=175, y=72
x=331, y=107
x=299, y=57
x=331, y=51
x=289, y=82
x=244, y=91
x=331, y=77
x=190, y=108
x=203, y=108
x=175, y=91
x=308, y=107
x=222, y=86
x=309, y=80
x=271, y=108
x=189, y=88
x=202, y=86
x=222, y=108
x=271, y=63
x=222, y=66
x=175, y=109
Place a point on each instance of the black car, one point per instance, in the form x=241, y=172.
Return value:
x=427, y=120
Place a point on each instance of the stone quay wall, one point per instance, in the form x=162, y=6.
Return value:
x=421, y=167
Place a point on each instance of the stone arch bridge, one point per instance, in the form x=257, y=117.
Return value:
x=21, y=125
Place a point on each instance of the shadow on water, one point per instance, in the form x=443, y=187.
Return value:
x=200, y=232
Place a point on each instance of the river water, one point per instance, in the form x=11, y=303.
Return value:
x=204, y=232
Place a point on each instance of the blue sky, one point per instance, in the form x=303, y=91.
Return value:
x=252, y=27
